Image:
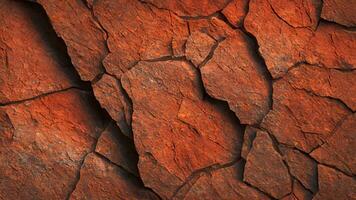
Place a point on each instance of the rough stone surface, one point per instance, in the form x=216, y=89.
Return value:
x=264, y=161
x=339, y=11
x=119, y=149
x=299, y=193
x=23, y=57
x=330, y=45
x=249, y=136
x=190, y=8
x=335, y=185
x=225, y=183
x=236, y=11
x=338, y=150
x=84, y=37
x=234, y=64
x=172, y=123
x=198, y=47
x=100, y=179
x=40, y=149
x=108, y=91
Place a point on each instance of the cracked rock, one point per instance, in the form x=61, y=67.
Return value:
x=214, y=27
x=224, y=183
x=102, y=180
x=84, y=37
x=44, y=153
x=334, y=185
x=172, y=123
x=249, y=136
x=264, y=161
x=339, y=11
x=299, y=193
x=22, y=58
x=234, y=74
x=108, y=91
x=198, y=47
x=236, y=11
x=339, y=149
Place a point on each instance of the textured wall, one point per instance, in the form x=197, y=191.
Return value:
x=178, y=99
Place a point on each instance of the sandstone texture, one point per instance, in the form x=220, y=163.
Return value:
x=177, y=99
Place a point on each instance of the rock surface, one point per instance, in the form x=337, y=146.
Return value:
x=339, y=11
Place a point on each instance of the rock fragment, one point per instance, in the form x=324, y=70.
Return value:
x=299, y=193
x=100, y=179
x=43, y=154
x=29, y=66
x=189, y=8
x=334, y=185
x=108, y=91
x=339, y=11
x=214, y=27
x=338, y=150
x=264, y=161
x=234, y=74
x=118, y=148
x=84, y=37
x=172, y=124
x=249, y=136
x=236, y=11
x=198, y=47
x=142, y=33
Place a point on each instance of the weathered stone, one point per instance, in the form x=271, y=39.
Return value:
x=236, y=11
x=297, y=13
x=225, y=183
x=173, y=124
x=198, y=47
x=249, y=136
x=84, y=38
x=301, y=119
x=190, y=8
x=264, y=161
x=299, y=193
x=339, y=149
x=284, y=46
x=119, y=149
x=334, y=185
x=302, y=168
x=108, y=91
x=142, y=33
x=234, y=74
x=43, y=154
x=325, y=82
x=214, y=27
x=100, y=179
x=29, y=66
x=339, y=11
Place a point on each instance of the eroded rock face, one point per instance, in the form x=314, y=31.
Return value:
x=100, y=179
x=236, y=11
x=339, y=11
x=232, y=65
x=199, y=45
x=41, y=150
x=264, y=161
x=172, y=123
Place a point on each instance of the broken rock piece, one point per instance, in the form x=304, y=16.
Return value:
x=236, y=11
x=100, y=179
x=172, y=124
x=249, y=136
x=339, y=11
x=234, y=74
x=199, y=45
x=264, y=161
x=108, y=91
x=45, y=142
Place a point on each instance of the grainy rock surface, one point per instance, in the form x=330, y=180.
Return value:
x=177, y=99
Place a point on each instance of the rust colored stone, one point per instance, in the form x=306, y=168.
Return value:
x=234, y=74
x=249, y=136
x=338, y=150
x=339, y=11
x=84, y=37
x=190, y=8
x=236, y=11
x=118, y=148
x=173, y=124
x=29, y=66
x=143, y=34
x=108, y=91
x=214, y=27
x=299, y=193
x=198, y=47
x=43, y=154
x=100, y=179
x=334, y=185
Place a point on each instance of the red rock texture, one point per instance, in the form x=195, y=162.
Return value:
x=177, y=99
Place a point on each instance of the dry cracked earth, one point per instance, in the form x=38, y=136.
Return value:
x=178, y=99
